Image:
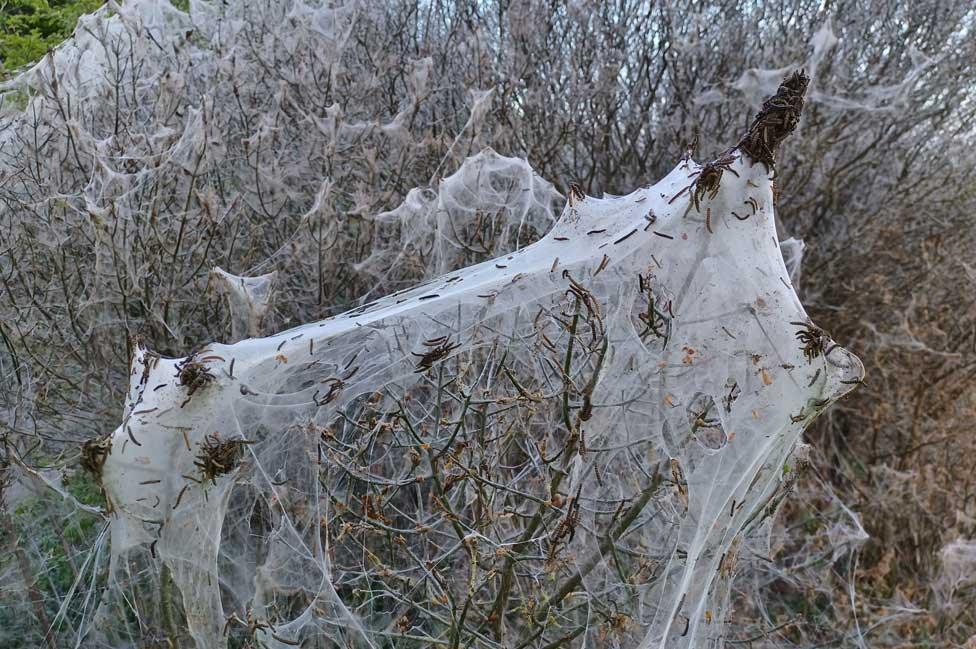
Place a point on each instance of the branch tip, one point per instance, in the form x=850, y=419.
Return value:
x=776, y=120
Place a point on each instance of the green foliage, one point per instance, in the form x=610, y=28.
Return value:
x=83, y=487
x=77, y=532
x=61, y=539
x=29, y=28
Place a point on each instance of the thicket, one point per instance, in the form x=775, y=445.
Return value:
x=314, y=143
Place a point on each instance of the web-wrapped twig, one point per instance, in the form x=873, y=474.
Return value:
x=779, y=116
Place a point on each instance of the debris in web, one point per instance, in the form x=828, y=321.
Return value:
x=582, y=429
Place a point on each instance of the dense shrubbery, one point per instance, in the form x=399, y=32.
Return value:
x=29, y=28
x=285, y=154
